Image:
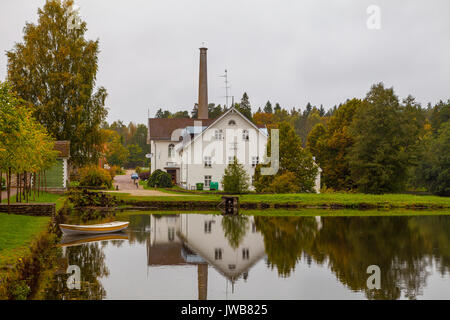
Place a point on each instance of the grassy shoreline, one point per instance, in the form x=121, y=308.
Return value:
x=301, y=200
x=17, y=232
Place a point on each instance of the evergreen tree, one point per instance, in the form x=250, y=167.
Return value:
x=321, y=111
x=235, y=179
x=215, y=111
x=244, y=107
x=159, y=114
x=277, y=108
x=268, y=107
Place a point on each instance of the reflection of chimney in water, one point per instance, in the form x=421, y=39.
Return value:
x=203, y=86
x=202, y=277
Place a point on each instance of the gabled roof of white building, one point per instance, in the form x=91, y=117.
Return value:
x=261, y=129
x=162, y=128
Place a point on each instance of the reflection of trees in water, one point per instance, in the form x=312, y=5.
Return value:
x=235, y=228
x=285, y=239
x=403, y=248
x=91, y=260
x=140, y=224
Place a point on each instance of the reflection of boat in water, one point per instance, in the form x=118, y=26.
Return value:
x=74, y=240
x=94, y=228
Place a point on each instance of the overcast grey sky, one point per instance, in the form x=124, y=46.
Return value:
x=288, y=51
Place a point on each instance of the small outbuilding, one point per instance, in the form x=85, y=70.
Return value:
x=57, y=177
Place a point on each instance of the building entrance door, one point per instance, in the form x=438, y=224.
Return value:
x=173, y=173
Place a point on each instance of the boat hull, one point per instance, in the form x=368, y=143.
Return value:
x=93, y=229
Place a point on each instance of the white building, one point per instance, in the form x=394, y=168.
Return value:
x=198, y=150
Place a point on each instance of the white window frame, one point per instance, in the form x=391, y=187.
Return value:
x=218, y=134
x=207, y=162
x=171, y=151
x=245, y=135
x=218, y=254
x=255, y=161
x=210, y=180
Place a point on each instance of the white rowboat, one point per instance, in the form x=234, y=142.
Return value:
x=94, y=228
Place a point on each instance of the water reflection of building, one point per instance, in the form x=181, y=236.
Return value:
x=201, y=240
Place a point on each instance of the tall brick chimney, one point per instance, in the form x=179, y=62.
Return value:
x=203, y=86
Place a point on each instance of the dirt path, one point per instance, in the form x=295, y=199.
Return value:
x=126, y=185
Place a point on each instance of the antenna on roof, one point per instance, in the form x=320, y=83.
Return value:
x=226, y=88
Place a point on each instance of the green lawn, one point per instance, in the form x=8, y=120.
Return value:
x=326, y=199
x=16, y=233
x=399, y=200
x=44, y=197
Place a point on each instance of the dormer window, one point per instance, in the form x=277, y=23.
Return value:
x=245, y=135
x=231, y=123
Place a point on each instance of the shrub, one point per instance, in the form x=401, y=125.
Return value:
x=84, y=198
x=138, y=170
x=160, y=179
x=93, y=176
x=144, y=176
x=284, y=183
x=114, y=171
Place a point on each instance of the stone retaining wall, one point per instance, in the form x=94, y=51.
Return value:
x=30, y=209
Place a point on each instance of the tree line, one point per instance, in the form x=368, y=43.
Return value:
x=375, y=145
x=379, y=144
x=26, y=149
x=126, y=146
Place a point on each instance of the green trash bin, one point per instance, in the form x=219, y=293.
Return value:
x=214, y=186
x=199, y=186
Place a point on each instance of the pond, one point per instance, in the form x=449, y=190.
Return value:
x=205, y=256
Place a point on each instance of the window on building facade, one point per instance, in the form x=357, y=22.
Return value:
x=207, y=181
x=171, y=234
x=219, y=134
x=245, y=254
x=171, y=150
x=255, y=161
x=208, y=225
x=207, y=162
x=218, y=254
x=230, y=159
x=231, y=123
x=245, y=135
